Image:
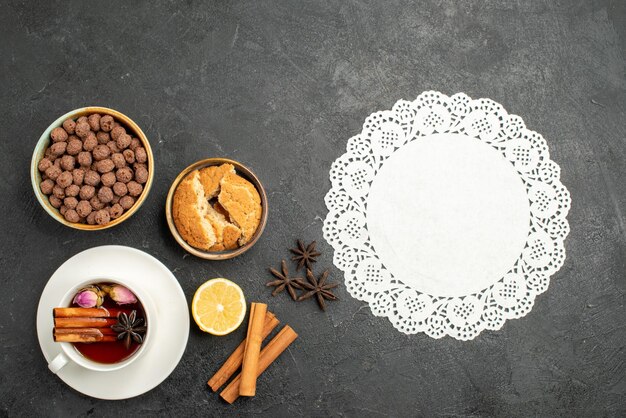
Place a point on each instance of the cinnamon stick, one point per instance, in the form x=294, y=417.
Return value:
x=87, y=312
x=270, y=352
x=232, y=364
x=83, y=335
x=77, y=322
x=104, y=331
x=251, y=352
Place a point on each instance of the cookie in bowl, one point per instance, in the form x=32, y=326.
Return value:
x=214, y=209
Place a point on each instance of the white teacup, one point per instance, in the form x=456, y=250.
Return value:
x=70, y=354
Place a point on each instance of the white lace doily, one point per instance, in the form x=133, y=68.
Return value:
x=447, y=215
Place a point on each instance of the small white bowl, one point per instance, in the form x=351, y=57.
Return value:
x=44, y=142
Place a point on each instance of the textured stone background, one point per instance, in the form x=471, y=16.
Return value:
x=280, y=86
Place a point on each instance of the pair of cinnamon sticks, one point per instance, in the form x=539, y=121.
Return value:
x=84, y=325
x=249, y=355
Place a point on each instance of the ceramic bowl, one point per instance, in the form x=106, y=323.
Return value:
x=243, y=171
x=44, y=142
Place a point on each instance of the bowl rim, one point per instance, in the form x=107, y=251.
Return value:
x=43, y=143
x=242, y=170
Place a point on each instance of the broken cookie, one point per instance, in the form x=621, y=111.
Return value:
x=215, y=209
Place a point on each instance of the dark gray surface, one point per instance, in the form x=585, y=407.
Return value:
x=280, y=86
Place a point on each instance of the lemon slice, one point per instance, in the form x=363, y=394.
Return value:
x=218, y=306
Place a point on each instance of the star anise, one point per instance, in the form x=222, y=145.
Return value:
x=129, y=328
x=284, y=281
x=305, y=255
x=318, y=288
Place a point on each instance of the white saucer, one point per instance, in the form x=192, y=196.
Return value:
x=137, y=269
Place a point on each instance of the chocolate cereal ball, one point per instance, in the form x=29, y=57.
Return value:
x=105, y=166
x=134, y=144
x=116, y=211
x=117, y=131
x=55, y=201
x=58, y=191
x=102, y=217
x=84, y=158
x=101, y=152
x=47, y=185
x=103, y=137
x=44, y=164
x=81, y=119
x=118, y=160
x=134, y=188
x=92, y=178
x=127, y=202
x=82, y=129
x=119, y=189
x=106, y=123
x=83, y=208
x=69, y=125
x=90, y=142
x=65, y=179
x=87, y=192
x=72, y=191
x=95, y=203
x=113, y=147
x=62, y=209
x=58, y=148
x=123, y=141
x=70, y=202
x=54, y=171
x=74, y=146
x=49, y=155
x=91, y=218
x=68, y=162
x=141, y=175
x=58, y=135
x=108, y=179
x=124, y=174
x=105, y=194
x=71, y=215
x=141, y=155
x=129, y=156
x=115, y=199
x=94, y=122
x=78, y=175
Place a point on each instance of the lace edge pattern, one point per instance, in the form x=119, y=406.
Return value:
x=366, y=278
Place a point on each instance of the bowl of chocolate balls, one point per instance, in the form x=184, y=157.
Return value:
x=92, y=168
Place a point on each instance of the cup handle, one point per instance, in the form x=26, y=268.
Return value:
x=58, y=363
